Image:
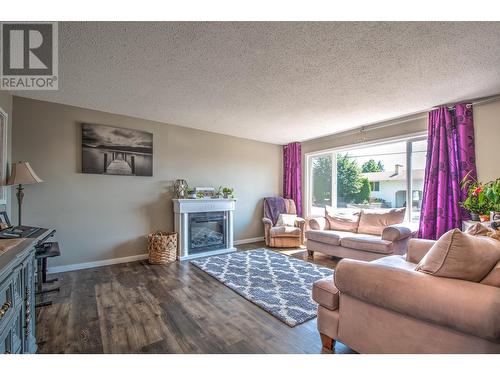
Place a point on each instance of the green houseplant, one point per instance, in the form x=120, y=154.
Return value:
x=228, y=192
x=477, y=202
x=492, y=193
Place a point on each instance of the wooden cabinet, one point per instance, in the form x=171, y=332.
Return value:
x=17, y=297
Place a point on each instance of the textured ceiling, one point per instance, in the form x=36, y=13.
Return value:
x=274, y=81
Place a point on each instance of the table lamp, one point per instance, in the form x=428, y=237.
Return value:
x=22, y=174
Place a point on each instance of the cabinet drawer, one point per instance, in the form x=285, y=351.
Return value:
x=6, y=301
x=6, y=345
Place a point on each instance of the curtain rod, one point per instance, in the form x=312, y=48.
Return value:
x=401, y=119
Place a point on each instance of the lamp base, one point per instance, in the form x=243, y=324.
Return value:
x=20, y=196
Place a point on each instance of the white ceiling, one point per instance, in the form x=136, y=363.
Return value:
x=275, y=81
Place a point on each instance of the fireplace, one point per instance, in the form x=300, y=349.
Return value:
x=205, y=226
x=207, y=231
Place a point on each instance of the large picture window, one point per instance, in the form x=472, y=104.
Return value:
x=375, y=176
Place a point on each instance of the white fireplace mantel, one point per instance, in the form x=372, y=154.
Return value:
x=184, y=207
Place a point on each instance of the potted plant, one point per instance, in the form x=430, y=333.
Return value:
x=218, y=192
x=492, y=192
x=228, y=192
x=191, y=193
x=477, y=203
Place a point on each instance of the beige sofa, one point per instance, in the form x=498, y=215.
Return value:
x=386, y=306
x=359, y=234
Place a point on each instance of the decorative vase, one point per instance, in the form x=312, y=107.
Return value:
x=180, y=187
x=494, y=215
x=474, y=216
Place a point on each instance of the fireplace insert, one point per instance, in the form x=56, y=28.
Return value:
x=207, y=231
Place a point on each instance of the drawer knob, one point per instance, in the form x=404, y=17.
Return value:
x=5, y=307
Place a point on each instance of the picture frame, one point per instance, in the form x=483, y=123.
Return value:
x=4, y=220
x=113, y=150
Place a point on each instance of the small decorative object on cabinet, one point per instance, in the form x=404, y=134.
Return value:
x=180, y=188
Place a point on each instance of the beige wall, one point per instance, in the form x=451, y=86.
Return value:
x=6, y=106
x=101, y=217
x=487, y=133
x=487, y=138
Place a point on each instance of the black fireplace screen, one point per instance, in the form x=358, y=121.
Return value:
x=207, y=231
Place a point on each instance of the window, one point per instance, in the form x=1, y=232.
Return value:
x=373, y=176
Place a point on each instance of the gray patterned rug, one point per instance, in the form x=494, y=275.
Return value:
x=277, y=283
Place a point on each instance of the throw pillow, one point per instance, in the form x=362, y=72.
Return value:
x=286, y=220
x=343, y=220
x=375, y=221
x=461, y=255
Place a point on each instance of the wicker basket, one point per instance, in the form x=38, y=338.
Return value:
x=162, y=247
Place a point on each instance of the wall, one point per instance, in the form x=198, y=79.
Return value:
x=101, y=217
x=487, y=133
x=486, y=127
x=6, y=106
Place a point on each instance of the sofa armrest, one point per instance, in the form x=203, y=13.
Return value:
x=318, y=223
x=417, y=248
x=465, y=306
x=397, y=232
x=301, y=223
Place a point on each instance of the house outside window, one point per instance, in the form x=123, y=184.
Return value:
x=375, y=176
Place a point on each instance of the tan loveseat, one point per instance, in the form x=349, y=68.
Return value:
x=387, y=306
x=359, y=234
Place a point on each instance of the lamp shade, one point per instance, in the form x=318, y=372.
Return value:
x=22, y=173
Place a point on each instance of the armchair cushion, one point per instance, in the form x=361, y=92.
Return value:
x=417, y=248
x=461, y=256
x=465, y=306
x=285, y=232
x=287, y=220
x=326, y=293
x=493, y=278
x=344, y=220
x=374, y=221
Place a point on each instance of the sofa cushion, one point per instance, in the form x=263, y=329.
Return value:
x=343, y=220
x=367, y=243
x=461, y=256
x=326, y=293
x=285, y=232
x=287, y=220
x=325, y=236
x=395, y=261
x=493, y=278
x=374, y=221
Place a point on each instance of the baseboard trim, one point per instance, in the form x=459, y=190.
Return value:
x=108, y=262
x=248, y=240
x=99, y=263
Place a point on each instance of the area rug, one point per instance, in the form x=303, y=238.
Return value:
x=279, y=284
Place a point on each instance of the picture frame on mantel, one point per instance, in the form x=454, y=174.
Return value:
x=3, y=155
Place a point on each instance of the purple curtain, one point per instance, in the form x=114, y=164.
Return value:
x=292, y=170
x=450, y=156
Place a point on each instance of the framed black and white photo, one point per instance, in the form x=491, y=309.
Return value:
x=116, y=151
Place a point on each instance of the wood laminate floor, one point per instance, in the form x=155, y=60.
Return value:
x=140, y=308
